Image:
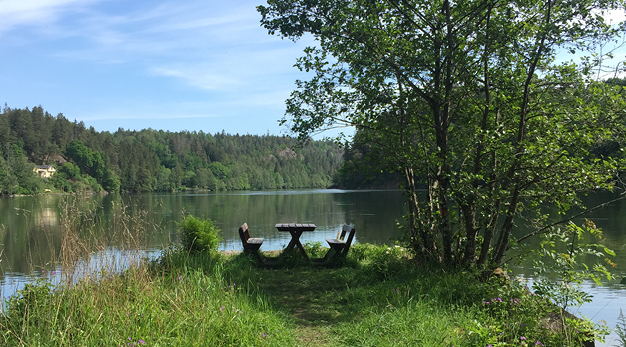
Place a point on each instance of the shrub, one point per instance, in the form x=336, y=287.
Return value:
x=198, y=234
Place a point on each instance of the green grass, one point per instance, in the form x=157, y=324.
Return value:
x=378, y=297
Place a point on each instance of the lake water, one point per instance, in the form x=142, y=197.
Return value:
x=32, y=229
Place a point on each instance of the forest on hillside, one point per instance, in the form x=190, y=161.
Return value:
x=152, y=160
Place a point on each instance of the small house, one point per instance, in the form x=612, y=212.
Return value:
x=45, y=171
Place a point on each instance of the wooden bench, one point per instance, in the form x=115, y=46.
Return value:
x=250, y=245
x=338, y=246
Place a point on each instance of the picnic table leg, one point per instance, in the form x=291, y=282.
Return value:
x=292, y=242
x=294, y=238
x=295, y=242
x=302, y=250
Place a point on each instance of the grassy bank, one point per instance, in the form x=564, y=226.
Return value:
x=379, y=297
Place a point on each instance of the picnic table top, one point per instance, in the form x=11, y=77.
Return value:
x=294, y=226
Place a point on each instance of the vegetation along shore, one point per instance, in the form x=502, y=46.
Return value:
x=192, y=295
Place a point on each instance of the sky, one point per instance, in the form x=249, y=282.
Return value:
x=171, y=65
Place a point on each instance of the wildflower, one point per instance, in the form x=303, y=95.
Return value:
x=264, y=335
x=222, y=308
x=522, y=338
x=179, y=278
x=142, y=342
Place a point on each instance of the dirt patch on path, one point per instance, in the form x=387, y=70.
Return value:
x=316, y=336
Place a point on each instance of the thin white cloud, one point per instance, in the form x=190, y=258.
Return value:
x=15, y=13
x=204, y=79
x=180, y=31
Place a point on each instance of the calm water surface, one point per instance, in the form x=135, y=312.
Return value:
x=31, y=228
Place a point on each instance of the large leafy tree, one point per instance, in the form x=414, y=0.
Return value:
x=465, y=97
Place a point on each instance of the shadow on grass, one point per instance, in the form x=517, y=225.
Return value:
x=343, y=291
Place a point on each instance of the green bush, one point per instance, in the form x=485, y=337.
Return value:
x=198, y=235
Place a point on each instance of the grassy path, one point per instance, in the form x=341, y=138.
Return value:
x=359, y=305
x=312, y=299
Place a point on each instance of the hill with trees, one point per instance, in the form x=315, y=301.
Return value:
x=152, y=160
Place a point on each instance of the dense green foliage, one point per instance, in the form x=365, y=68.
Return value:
x=198, y=235
x=151, y=160
x=363, y=167
x=16, y=173
x=380, y=297
x=467, y=99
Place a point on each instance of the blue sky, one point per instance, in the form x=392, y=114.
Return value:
x=171, y=65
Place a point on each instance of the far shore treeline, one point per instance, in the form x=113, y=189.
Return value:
x=152, y=160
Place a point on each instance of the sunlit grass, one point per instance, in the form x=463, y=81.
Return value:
x=182, y=307
x=378, y=296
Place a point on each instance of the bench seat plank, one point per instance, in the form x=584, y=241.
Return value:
x=255, y=241
x=335, y=242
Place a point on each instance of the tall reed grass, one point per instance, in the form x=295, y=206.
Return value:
x=108, y=296
x=88, y=243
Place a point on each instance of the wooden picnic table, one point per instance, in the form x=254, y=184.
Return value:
x=296, y=230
